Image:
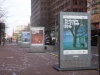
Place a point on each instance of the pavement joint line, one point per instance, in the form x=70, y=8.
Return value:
x=52, y=53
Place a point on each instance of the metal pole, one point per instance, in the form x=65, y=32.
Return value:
x=13, y=31
x=55, y=30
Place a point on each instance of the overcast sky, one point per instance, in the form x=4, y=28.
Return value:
x=18, y=13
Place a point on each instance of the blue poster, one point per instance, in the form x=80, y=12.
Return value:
x=75, y=35
x=25, y=37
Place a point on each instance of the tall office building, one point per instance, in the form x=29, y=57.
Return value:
x=45, y=12
x=39, y=12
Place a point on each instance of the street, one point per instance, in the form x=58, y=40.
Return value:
x=17, y=61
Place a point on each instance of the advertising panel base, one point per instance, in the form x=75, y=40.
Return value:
x=19, y=43
x=72, y=69
x=25, y=45
x=36, y=49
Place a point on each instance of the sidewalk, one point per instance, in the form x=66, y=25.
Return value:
x=17, y=61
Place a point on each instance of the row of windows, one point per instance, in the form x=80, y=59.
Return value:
x=44, y=8
x=44, y=14
x=78, y=10
x=95, y=10
x=45, y=3
x=67, y=4
x=69, y=10
x=80, y=2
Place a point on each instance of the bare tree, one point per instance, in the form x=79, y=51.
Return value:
x=78, y=31
x=2, y=11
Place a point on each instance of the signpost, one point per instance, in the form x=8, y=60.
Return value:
x=75, y=45
x=37, y=39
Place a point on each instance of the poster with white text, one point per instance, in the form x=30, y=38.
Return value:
x=75, y=34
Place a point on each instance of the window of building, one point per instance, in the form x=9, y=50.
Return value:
x=94, y=11
x=75, y=2
x=68, y=9
x=86, y=2
x=94, y=2
x=62, y=6
x=80, y=10
x=44, y=3
x=75, y=10
x=81, y=2
x=48, y=3
x=41, y=9
x=41, y=3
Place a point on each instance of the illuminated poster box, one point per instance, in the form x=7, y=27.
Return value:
x=25, y=37
x=75, y=34
x=37, y=37
x=19, y=37
x=74, y=41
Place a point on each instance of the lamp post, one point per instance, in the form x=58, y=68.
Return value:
x=55, y=27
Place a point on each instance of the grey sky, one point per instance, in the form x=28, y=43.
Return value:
x=19, y=12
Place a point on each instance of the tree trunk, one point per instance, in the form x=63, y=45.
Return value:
x=74, y=41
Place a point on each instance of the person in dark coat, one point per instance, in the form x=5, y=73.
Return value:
x=3, y=40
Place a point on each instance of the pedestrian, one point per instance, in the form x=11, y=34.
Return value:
x=0, y=41
x=16, y=40
x=11, y=39
x=3, y=41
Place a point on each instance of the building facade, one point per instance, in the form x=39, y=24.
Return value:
x=45, y=12
x=20, y=28
x=94, y=9
x=39, y=12
x=57, y=6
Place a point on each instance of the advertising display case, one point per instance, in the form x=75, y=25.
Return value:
x=19, y=38
x=25, y=39
x=75, y=41
x=37, y=39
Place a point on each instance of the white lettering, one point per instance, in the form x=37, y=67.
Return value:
x=69, y=23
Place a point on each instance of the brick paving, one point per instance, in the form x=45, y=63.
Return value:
x=17, y=61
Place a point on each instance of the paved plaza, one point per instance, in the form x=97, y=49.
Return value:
x=17, y=61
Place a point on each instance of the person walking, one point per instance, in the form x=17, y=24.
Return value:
x=9, y=40
x=16, y=40
x=3, y=41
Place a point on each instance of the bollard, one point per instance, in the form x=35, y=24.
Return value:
x=99, y=49
x=45, y=47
